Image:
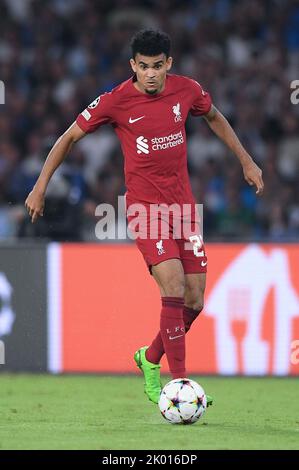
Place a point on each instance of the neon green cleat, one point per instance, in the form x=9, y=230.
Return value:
x=151, y=372
x=209, y=400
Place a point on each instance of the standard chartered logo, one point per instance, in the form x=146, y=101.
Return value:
x=159, y=143
x=168, y=141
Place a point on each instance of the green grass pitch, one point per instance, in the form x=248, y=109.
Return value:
x=112, y=412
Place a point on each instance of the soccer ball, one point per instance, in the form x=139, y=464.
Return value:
x=182, y=401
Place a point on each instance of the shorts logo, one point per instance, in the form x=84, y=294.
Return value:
x=160, y=248
x=142, y=146
x=177, y=112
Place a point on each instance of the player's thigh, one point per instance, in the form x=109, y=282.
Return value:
x=195, y=285
x=169, y=275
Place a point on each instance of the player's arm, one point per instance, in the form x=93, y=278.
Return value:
x=36, y=199
x=221, y=127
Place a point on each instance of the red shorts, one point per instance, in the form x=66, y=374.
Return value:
x=154, y=252
x=164, y=245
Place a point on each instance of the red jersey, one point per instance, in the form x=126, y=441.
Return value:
x=151, y=129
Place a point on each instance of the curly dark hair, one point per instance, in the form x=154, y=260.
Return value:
x=149, y=42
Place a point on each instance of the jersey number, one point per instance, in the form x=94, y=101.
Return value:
x=197, y=243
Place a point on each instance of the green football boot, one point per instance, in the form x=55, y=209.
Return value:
x=151, y=372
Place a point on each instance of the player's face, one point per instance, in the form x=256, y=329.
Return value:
x=151, y=72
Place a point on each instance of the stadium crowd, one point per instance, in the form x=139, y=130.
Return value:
x=56, y=56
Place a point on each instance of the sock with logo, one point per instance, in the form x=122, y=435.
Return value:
x=156, y=350
x=172, y=331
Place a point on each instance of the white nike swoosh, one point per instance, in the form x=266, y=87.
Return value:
x=174, y=337
x=204, y=263
x=134, y=120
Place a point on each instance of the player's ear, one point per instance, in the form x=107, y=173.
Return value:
x=133, y=65
x=168, y=63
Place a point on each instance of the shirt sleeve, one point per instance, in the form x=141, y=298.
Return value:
x=202, y=100
x=96, y=114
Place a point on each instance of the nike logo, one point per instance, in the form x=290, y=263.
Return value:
x=204, y=263
x=174, y=337
x=131, y=121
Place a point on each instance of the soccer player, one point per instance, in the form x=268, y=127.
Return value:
x=148, y=113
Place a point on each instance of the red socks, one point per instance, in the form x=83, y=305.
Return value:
x=174, y=316
x=172, y=329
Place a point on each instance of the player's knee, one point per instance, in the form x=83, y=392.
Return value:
x=175, y=287
x=197, y=306
x=196, y=303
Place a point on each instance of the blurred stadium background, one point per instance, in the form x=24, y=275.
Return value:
x=55, y=58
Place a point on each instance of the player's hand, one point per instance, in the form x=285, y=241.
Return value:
x=253, y=176
x=34, y=204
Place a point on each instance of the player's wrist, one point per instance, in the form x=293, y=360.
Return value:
x=246, y=160
x=40, y=188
